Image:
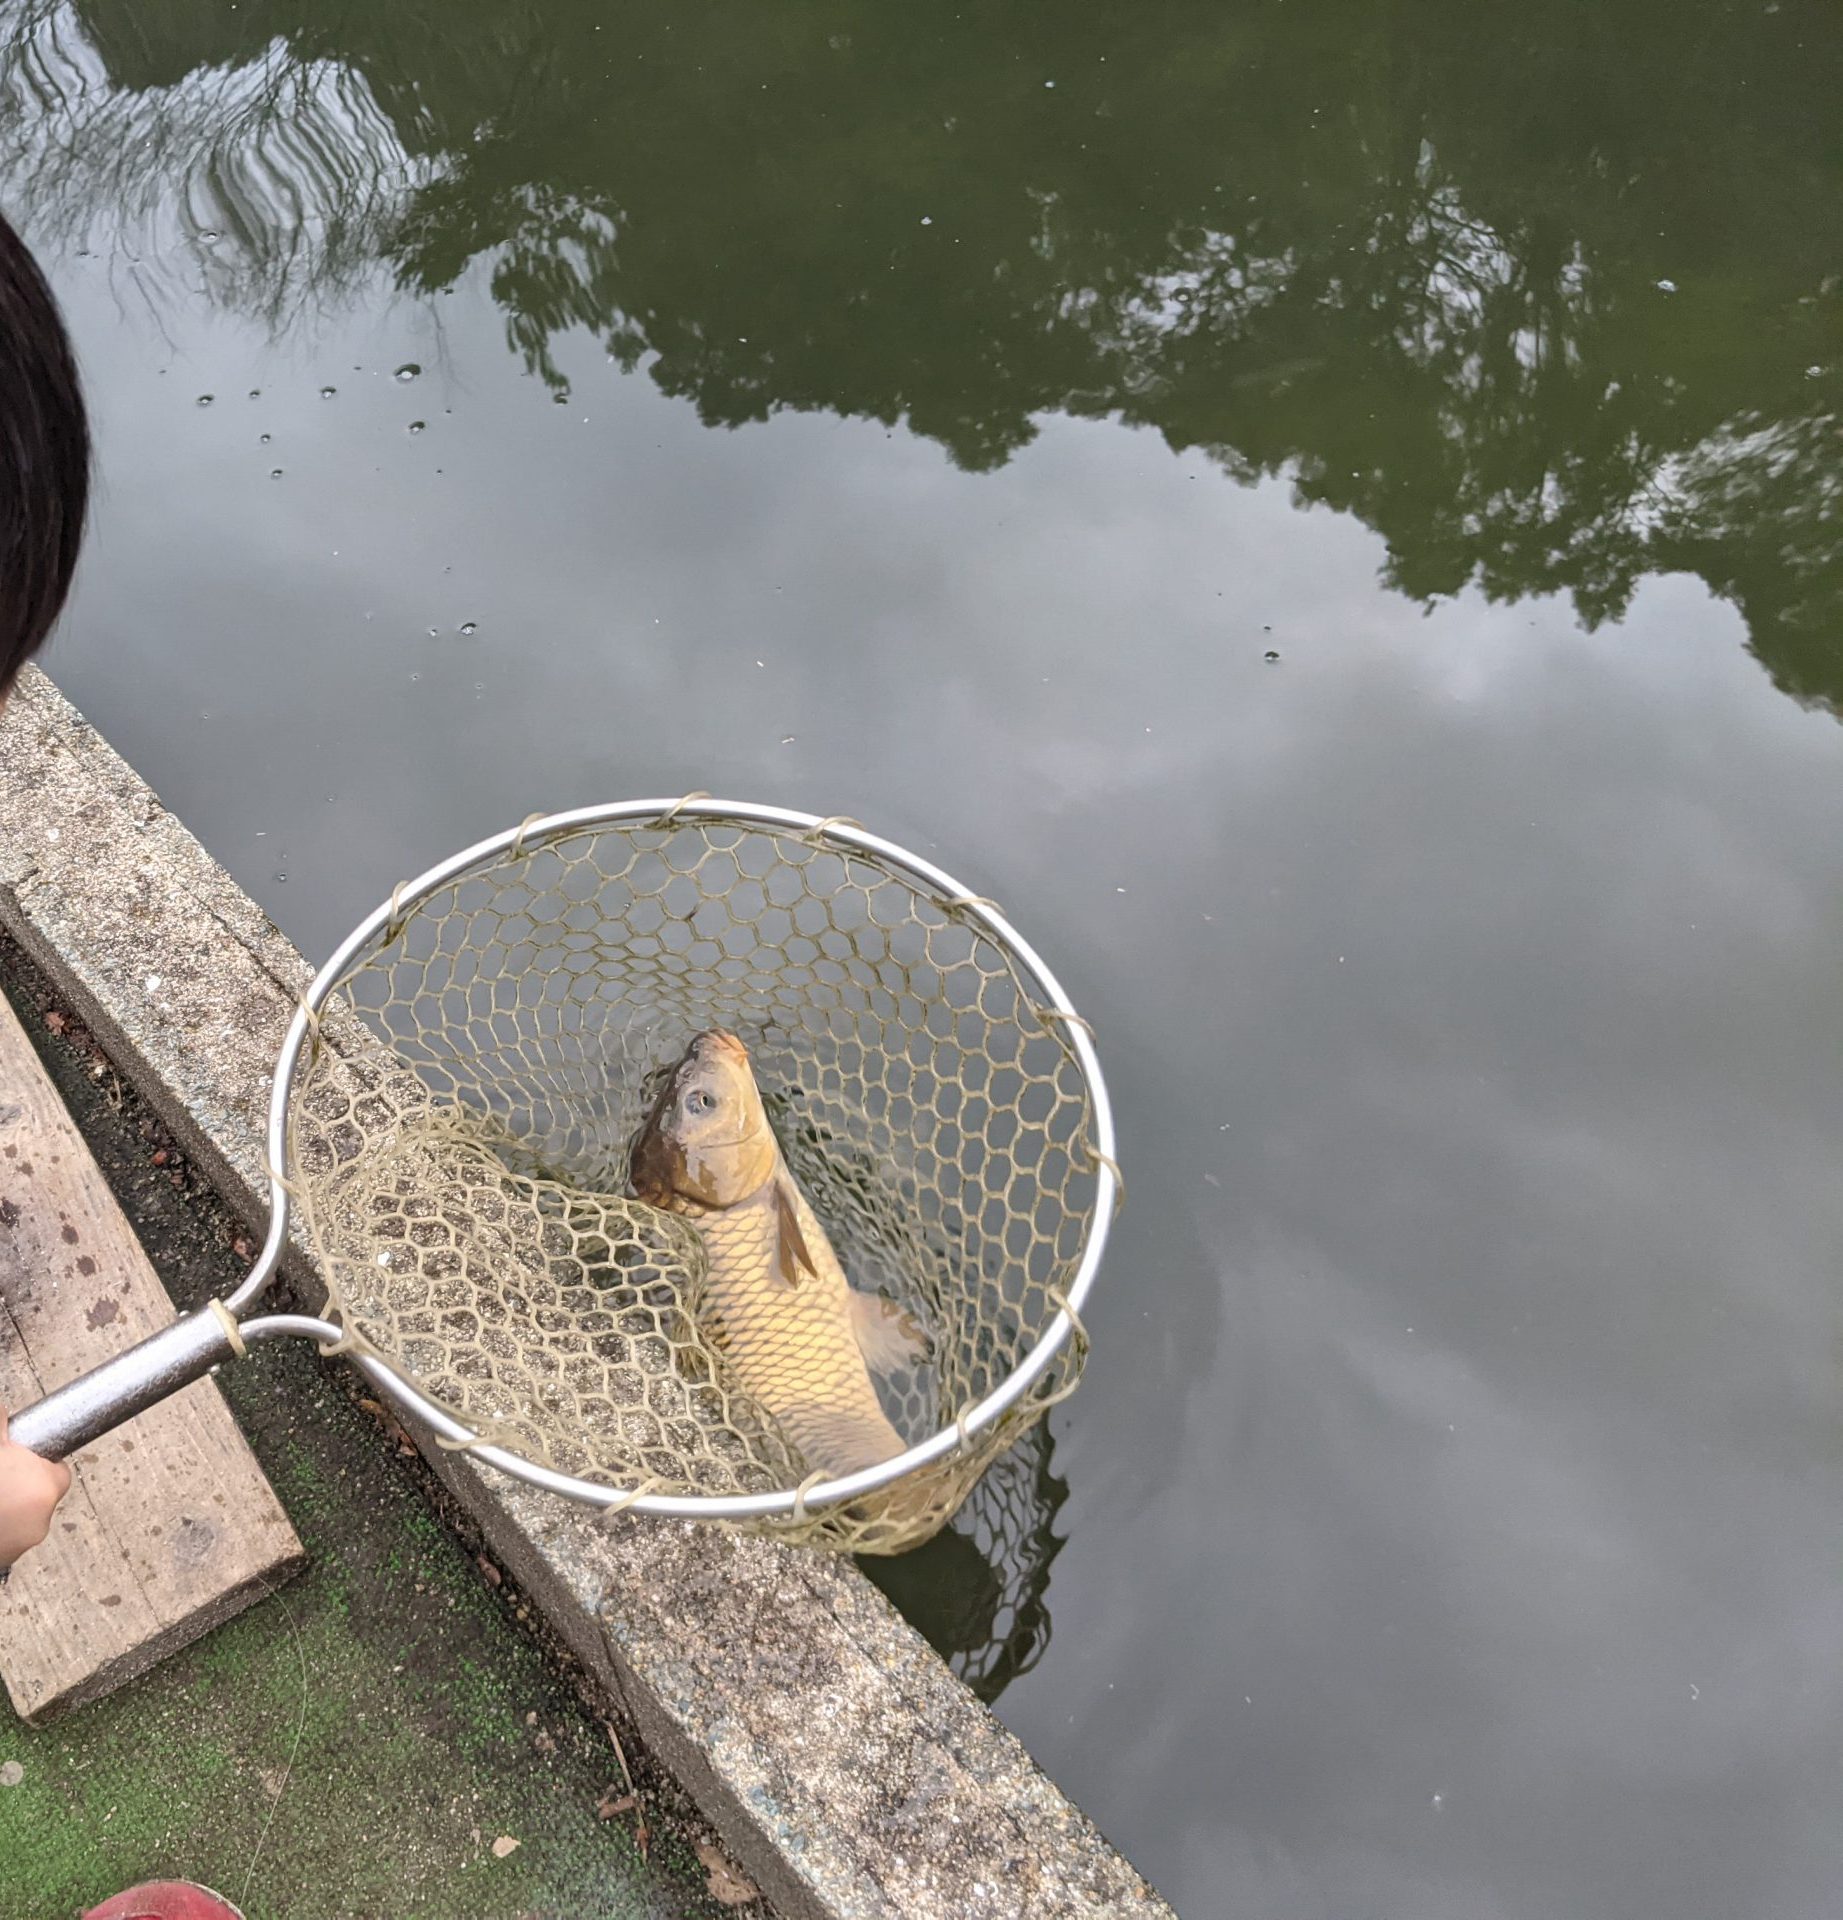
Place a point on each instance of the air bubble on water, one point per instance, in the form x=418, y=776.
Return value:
x=417, y=426
x=1439, y=1800
x=275, y=473
x=408, y=371
x=326, y=393
x=435, y=633
x=415, y=676
x=1666, y=286
x=927, y=220
x=207, y=233
x=470, y=626
x=281, y=876
x=1270, y=656
x=204, y=399
x=262, y=440
x=562, y=398
x=255, y=393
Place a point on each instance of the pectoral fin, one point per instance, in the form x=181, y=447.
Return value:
x=792, y=1251
x=890, y=1340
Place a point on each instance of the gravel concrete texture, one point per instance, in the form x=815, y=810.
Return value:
x=848, y=1771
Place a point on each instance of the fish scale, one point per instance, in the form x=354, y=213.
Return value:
x=791, y=1347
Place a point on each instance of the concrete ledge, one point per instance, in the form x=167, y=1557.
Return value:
x=851, y=1774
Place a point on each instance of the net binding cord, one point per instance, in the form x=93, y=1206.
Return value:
x=453, y=1128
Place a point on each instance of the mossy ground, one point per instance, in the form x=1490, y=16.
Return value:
x=351, y=1747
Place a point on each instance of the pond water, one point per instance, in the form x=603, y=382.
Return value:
x=1334, y=515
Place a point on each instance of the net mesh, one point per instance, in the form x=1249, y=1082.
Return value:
x=461, y=1123
x=979, y=1590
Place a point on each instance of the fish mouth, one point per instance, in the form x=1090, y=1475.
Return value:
x=716, y=1042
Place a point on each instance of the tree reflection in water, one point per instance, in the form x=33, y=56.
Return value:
x=1550, y=306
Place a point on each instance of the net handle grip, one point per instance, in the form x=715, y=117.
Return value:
x=98, y=1402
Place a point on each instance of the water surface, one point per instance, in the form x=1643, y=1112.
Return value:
x=1332, y=516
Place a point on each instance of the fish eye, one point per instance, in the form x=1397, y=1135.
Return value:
x=699, y=1101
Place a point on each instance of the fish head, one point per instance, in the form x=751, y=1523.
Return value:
x=707, y=1138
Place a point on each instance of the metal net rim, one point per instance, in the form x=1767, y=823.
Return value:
x=1056, y=1010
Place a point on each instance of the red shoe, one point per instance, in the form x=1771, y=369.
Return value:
x=166, y=1900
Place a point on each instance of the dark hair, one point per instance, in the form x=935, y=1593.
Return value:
x=44, y=459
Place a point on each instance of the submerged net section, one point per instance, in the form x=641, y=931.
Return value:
x=461, y=1124
x=979, y=1590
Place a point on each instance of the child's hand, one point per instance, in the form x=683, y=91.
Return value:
x=30, y=1488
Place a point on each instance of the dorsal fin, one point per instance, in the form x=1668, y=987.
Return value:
x=792, y=1247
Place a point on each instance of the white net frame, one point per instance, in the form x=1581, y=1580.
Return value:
x=884, y=1003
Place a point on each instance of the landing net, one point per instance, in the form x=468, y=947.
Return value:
x=464, y=1109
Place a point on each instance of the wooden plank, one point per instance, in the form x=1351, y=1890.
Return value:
x=170, y=1525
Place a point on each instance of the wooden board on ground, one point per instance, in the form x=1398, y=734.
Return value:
x=170, y=1525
